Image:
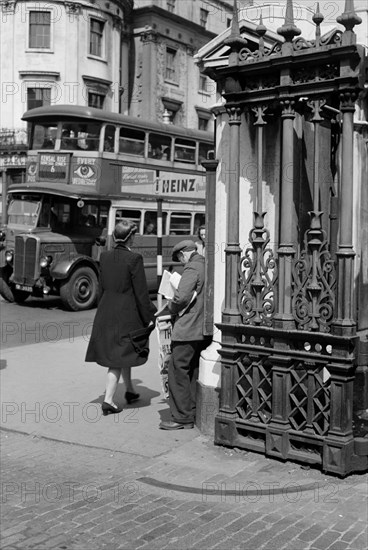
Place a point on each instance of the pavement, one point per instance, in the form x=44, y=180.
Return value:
x=73, y=479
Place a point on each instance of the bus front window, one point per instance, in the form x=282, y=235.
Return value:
x=85, y=137
x=24, y=212
x=44, y=136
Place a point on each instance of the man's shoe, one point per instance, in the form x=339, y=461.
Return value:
x=171, y=425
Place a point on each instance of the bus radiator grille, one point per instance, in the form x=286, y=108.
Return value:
x=25, y=261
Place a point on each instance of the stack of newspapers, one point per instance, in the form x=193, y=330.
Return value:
x=169, y=283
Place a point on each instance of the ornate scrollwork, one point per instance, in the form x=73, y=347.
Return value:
x=314, y=281
x=245, y=54
x=73, y=8
x=334, y=38
x=8, y=6
x=328, y=71
x=302, y=44
x=322, y=72
x=258, y=276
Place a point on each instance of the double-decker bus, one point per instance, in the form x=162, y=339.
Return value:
x=86, y=169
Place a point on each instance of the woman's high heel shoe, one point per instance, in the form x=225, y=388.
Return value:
x=131, y=397
x=109, y=409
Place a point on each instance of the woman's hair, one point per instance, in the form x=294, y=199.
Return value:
x=124, y=230
x=199, y=230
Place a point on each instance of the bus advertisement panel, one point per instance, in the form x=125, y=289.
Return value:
x=163, y=182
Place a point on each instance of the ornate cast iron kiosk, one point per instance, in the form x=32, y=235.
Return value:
x=292, y=333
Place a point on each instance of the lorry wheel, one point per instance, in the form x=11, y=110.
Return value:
x=79, y=292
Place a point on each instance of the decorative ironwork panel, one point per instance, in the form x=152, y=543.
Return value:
x=254, y=387
x=244, y=388
x=258, y=278
x=264, y=390
x=298, y=397
x=303, y=389
x=314, y=281
x=328, y=71
x=321, y=404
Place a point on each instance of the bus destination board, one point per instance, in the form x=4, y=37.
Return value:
x=54, y=167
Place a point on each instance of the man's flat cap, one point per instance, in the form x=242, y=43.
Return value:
x=183, y=246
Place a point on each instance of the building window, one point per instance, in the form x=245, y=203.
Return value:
x=203, y=84
x=228, y=22
x=38, y=97
x=170, y=5
x=39, y=29
x=171, y=61
x=202, y=124
x=96, y=37
x=203, y=16
x=95, y=100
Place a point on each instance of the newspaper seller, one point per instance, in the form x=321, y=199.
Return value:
x=188, y=339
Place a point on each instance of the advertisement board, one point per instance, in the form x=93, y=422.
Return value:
x=163, y=183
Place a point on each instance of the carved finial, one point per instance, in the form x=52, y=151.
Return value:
x=349, y=18
x=235, y=41
x=318, y=18
x=261, y=30
x=289, y=30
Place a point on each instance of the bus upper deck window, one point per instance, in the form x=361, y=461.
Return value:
x=84, y=137
x=44, y=136
x=109, y=140
x=159, y=147
x=150, y=223
x=185, y=150
x=131, y=141
x=180, y=223
x=131, y=215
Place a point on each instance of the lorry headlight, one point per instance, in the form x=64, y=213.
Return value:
x=9, y=255
x=45, y=261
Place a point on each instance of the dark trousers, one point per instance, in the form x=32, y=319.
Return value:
x=183, y=376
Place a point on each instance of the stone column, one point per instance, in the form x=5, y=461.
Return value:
x=284, y=318
x=207, y=394
x=4, y=197
x=231, y=312
x=124, y=73
x=149, y=74
x=344, y=324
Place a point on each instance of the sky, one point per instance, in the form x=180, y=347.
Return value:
x=330, y=9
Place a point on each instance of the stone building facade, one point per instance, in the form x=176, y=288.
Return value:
x=129, y=57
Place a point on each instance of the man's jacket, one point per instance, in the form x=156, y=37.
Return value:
x=189, y=326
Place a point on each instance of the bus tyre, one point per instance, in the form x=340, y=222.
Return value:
x=5, y=290
x=79, y=292
x=11, y=294
x=20, y=296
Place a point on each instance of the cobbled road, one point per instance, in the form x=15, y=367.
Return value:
x=64, y=496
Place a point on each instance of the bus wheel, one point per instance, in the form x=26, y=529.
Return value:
x=5, y=290
x=79, y=292
x=20, y=296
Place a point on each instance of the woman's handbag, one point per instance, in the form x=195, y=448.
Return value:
x=140, y=340
x=134, y=346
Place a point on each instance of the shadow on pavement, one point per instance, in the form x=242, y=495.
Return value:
x=146, y=396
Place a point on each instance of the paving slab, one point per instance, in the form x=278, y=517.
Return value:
x=48, y=390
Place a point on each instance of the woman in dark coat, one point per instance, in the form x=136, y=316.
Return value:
x=124, y=307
